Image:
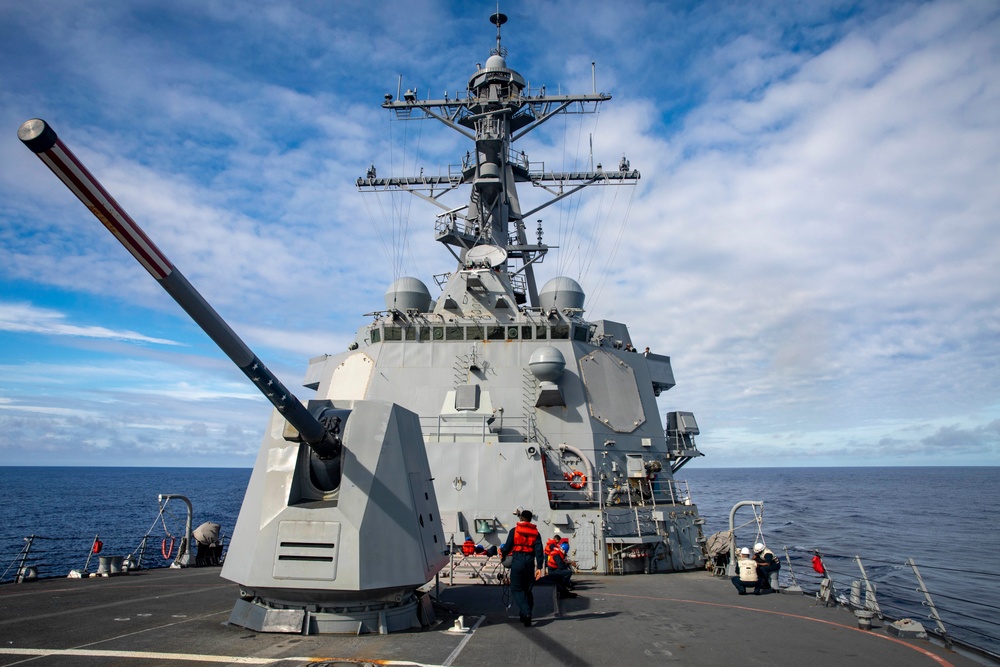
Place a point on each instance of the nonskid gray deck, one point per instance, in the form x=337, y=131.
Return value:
x=178, y=618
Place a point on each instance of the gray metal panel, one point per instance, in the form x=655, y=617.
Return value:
x=660, y=371
x=316, y=371
x=615, y=332
x=467, y=397
x=584, y=547
x=549, y=396
x=254, y=617
x=612, y=391
x=682, y=423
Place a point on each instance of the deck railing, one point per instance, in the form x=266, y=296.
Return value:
x=957, y=605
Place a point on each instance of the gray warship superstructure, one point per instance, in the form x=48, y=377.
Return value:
x=523, y=401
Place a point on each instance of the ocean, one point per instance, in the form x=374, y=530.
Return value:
x=66, y=508
x=943, y=518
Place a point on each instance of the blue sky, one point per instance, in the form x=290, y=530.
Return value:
x=814, y=240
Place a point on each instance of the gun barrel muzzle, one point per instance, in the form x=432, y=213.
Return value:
x=37, y=135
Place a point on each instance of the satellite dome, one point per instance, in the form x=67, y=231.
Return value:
x=547, y=364
x=408, y=294
x=496, y=62
x=561, y=292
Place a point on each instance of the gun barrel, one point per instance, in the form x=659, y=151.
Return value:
x=38, y=136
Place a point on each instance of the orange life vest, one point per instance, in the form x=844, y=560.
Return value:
x=551, y=545
x=525, y=536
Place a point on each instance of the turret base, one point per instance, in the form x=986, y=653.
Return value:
x=381, y=618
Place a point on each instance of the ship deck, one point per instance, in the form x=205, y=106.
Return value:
x=179, y=618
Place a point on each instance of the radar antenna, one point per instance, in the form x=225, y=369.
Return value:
x=498, y=20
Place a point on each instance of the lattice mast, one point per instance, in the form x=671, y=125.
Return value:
x=496, y=109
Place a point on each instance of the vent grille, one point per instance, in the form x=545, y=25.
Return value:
x=307, y=550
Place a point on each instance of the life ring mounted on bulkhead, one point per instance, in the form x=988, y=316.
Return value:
x=577, y=480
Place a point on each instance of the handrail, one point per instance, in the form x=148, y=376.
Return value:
x=909, y=598
x=670, y=493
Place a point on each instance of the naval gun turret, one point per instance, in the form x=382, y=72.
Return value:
x=340, y=524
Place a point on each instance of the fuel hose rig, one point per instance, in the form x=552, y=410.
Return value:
x=339, y=525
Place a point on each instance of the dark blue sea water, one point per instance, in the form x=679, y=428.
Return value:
x=943, y=518
x=66, y=507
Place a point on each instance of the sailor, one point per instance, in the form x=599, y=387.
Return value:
x=468, y=547
x=524, y=544
x=767, y=563
x=746, y=568
x=560, y=571
x=551, y=544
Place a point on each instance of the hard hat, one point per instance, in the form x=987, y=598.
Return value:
x=745, y=551
x=757, y=548
x=564, y=546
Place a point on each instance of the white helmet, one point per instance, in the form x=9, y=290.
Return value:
x=745, y=551
x=757, y=548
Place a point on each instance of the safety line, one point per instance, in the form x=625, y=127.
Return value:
x=458, y=649
x=201, y=657
x=148, y=655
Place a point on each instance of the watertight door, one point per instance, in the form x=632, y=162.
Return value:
x=585, y=547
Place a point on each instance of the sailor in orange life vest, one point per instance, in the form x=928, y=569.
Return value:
x=560, y=571
x=525, y=545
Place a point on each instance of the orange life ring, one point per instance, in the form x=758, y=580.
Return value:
x=576, y=479
x=98, y=545
x=165, y=550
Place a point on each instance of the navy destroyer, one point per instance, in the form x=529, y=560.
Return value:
x=523, y=400
x=446, y=415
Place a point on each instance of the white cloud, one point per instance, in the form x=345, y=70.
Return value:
x=25, y=318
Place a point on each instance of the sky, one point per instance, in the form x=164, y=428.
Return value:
x=814, y=240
